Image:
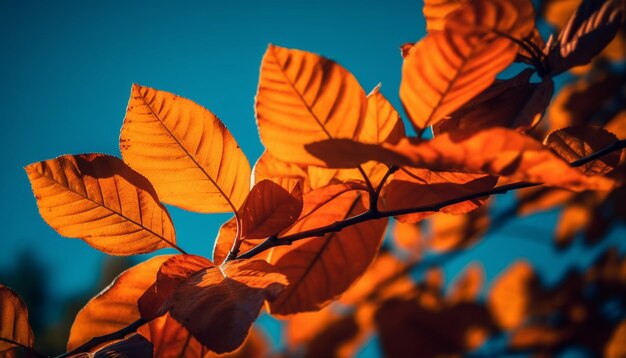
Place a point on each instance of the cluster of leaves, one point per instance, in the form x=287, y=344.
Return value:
x=338, y=165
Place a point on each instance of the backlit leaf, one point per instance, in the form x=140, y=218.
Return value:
x=99, y=199
x=412, y=187
x=216, y=304
x=185, y=151
x=408, y=237
x=453, y=232
x=512, y=294
x=515, y=18
x=436, y=11
x=574, y=143
x=13, y=321
x=269, y=209
x=589, y=30
x=444, y=70
x=515, y=103
x=320, y=269
x=116, y=306
x=495, y=151
x=282, y=173
x=304, y=98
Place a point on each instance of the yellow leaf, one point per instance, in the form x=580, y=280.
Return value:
x=185, y=151
x=445, y=70
x=99, y=199
x=116, y=306
x=304, y=98
x=13, y=321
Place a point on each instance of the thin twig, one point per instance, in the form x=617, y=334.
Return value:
x=106, y=338
x=375, y=214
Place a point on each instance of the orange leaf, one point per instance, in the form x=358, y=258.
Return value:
x=515, y=103
x=468, y=285
x=616, y=346
x=587, y=32
x=216, y=304
x=511, y=295
x=269, y=209
x=116, y=306
x=282, y=173
x=13, y=321
x=99, y=199
x=408, y=237
x=445, y=70
x=495, y=151
x=436, y=11
x=452, y=232
x=319, y=269
x=185, y=151
x=515, y=18
x=172, y=340
x=574, y=143
x=411, y=188
x=304, y=98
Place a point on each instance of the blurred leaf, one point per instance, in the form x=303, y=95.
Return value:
x=511, y=295
x=453, y=232
x=468, y=285
x=303, y=98
x=99, y=199
x=14, y=323
x=616, y=347
x=185, y=151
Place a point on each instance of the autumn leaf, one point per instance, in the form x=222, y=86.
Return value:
x=436, y=11
x=320, y=269
x=224, y=242
x=203, y=297
x=303, y=98
x=495, y=151
x=515, y=103
x=512, y=294
x=172, y=340
x=116, y=306
x=444, y=70
x=269, y=209
x=14, y=325
x=616, y=347
x=513, y=18
x=99, y=199
x=587, y=32
x=408, y=237
x=382, y=125
x=468, y=285
x=185, y=151
x=574, y=143
x=412, y=187
x=453, y=232
x=268, y=167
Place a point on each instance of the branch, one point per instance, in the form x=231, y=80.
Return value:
x=20, y=345
x=374, y=214
x=96, y=341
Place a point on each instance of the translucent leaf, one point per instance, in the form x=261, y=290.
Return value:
x=14, y=323
x=99, y=199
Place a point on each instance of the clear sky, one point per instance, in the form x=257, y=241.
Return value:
x=66, y=70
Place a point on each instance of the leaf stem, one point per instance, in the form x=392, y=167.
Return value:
x=105, y=338
x=375, y=214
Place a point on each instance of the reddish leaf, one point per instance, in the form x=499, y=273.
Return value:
x=303, y=98
x=574, y=143
x=116, y=306
x=495, y=151
x=319, y=269
x=99, y=199
x=185, y=151
x=411, y=188
x=13, y=321
x=216, y=304
x=269, y=209
x=587, y=32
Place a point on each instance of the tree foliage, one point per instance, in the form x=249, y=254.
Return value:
x=310, y=218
